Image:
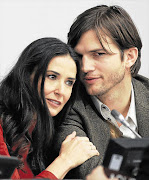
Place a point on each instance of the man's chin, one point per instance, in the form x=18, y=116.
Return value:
x=91, y=92
x=95, y=92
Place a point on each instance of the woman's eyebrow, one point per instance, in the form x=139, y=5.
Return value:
x=59, y=74
x=53, y=72
x=72, y=78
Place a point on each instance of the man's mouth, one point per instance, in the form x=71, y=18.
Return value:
x=90, y=80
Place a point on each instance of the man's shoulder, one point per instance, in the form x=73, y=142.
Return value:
x=141, y=90
x=141, y=81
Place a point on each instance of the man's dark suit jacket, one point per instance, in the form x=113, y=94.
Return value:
x=87, y=121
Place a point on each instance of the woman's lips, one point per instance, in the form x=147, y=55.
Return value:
x=54, y=102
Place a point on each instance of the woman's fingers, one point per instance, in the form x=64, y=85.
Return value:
x=77, y=149
x=70, y=136
x=85, y=148
x=85, y=145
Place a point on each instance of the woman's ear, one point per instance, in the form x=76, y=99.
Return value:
x=131, y=56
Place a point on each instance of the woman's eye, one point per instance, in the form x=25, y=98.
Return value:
x=69, y=83
x=51, y=76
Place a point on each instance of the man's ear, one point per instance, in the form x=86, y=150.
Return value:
x=131, y=56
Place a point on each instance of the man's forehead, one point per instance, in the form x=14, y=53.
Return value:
x=89, y=42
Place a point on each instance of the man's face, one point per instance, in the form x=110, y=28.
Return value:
x=100, y=71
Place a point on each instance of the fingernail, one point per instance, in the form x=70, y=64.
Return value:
x=74, y=132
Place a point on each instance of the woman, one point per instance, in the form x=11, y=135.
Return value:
x=41, y=84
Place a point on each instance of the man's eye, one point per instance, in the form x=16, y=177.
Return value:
x=69, y=83
x=51, y=76
x=97, y=55
x=100, y=54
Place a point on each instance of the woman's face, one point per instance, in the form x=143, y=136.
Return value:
x=59, y=81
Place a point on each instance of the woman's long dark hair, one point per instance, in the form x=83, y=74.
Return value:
x=21, y=103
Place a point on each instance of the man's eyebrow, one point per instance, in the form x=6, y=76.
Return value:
x=101, y=50
x=95, y=50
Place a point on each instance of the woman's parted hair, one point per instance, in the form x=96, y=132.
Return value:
x=20, y=101
x=112, y=21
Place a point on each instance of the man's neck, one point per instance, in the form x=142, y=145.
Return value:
x=118, y=97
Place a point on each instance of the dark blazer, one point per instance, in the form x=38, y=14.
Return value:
x=87, y=121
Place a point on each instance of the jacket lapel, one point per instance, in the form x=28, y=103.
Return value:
x=99, y=128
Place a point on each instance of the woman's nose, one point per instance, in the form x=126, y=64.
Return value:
x=60, y=89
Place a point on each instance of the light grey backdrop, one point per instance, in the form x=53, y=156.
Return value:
x=23, y=21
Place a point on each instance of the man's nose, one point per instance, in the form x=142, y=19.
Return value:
x=87, y=64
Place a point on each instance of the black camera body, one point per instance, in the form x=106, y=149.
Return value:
x=124, y=157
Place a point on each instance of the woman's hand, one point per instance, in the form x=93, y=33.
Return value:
x=76, y=150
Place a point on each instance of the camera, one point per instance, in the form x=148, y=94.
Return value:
x=127, y=159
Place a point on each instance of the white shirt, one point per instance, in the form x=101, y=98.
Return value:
x=130, y=118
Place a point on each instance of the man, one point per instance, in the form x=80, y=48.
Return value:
x=109, y=47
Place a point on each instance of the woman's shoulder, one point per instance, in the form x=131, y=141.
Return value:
x=3, y=146
x=1, y=133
